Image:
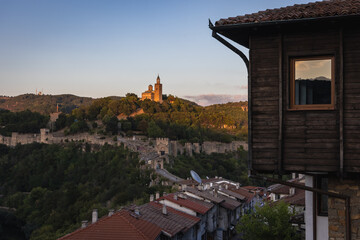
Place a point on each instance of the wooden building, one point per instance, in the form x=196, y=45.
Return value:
x=304, y=100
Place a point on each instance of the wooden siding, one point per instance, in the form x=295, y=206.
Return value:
x=351, y=41
x=264, y=56
x=310, y=138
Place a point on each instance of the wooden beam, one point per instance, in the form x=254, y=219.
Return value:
x=280, y=136
x=341, y=101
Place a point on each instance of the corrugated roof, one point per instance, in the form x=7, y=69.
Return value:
x=298, y=11
x=188, y=202
x=119, y=226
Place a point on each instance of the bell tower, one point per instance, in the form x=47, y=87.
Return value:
x=158, y=91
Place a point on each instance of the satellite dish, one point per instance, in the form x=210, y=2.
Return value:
x=195, y=176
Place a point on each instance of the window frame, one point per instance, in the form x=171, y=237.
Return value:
x=292, y=105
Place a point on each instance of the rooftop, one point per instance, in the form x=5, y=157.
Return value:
x=120, y=226
x=172, y=223
x=318, y=9
x=188, y=202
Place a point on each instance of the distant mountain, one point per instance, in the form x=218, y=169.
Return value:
x=44, y=104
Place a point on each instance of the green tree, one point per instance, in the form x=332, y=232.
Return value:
x=268, y=222
x=154, y=130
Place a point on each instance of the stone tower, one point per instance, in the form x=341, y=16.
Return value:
x=158, y=91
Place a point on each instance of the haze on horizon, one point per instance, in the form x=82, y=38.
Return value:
x=109, y=48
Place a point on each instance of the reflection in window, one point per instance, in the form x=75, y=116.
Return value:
x=312, y=82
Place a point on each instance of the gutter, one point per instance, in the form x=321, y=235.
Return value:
x=316, y=190
x=229, y=45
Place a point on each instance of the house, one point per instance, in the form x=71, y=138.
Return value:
x=225, y=214
x=191, y=206
x=304, y=105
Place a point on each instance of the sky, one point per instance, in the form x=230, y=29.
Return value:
x=113, y=47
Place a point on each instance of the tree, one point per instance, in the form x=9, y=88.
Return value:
x=154, y=130
x=269, y=222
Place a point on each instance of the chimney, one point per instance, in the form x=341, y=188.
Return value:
x=226, y=186
x=151, y=197
x=137, y=211
x=183, y=187
x=157, y=195
x=164, y=210
x=94, y=216
x=237, y=185
x=84, y=223
x=175, y=197
x=111, y=212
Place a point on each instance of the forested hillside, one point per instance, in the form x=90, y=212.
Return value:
x=22, y=122
x=231, y=166
x=53, y=188
x=175, y=118
x=44, y=104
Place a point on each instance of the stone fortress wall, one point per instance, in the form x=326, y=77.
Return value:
x=174, y=148
x=153, y=151
x=163, y=146
x=52, y=138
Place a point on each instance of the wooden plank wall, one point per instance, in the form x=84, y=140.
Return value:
x=351, y=39
x=265, y=101
x=311, y=137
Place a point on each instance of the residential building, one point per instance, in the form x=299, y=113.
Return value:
x=303, y=88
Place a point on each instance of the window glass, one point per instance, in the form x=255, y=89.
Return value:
x=312, y=83
x=323, y=199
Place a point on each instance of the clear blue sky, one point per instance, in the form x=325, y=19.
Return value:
x=112, y=47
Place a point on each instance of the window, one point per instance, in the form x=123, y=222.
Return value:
x=322, y=200
x=312, y=84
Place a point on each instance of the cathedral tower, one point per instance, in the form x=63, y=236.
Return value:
x=158, y=91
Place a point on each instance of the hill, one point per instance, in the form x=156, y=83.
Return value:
x=44, y=104
x=175, y=118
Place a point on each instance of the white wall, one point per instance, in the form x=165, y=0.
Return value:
x=322, y=225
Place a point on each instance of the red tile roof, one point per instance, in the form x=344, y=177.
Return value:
x=205, y=194
x=298, y=11
x=297, y=199
x=245, y=192
x=229, y=203
x=119, y=226
x=279, y=189
x=188, y=202
x=172, y=223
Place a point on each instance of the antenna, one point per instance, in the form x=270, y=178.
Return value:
x=195, y=176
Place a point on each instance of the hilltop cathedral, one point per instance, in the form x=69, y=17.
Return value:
x=153, y=95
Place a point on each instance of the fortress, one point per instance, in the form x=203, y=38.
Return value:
x=153, y=95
